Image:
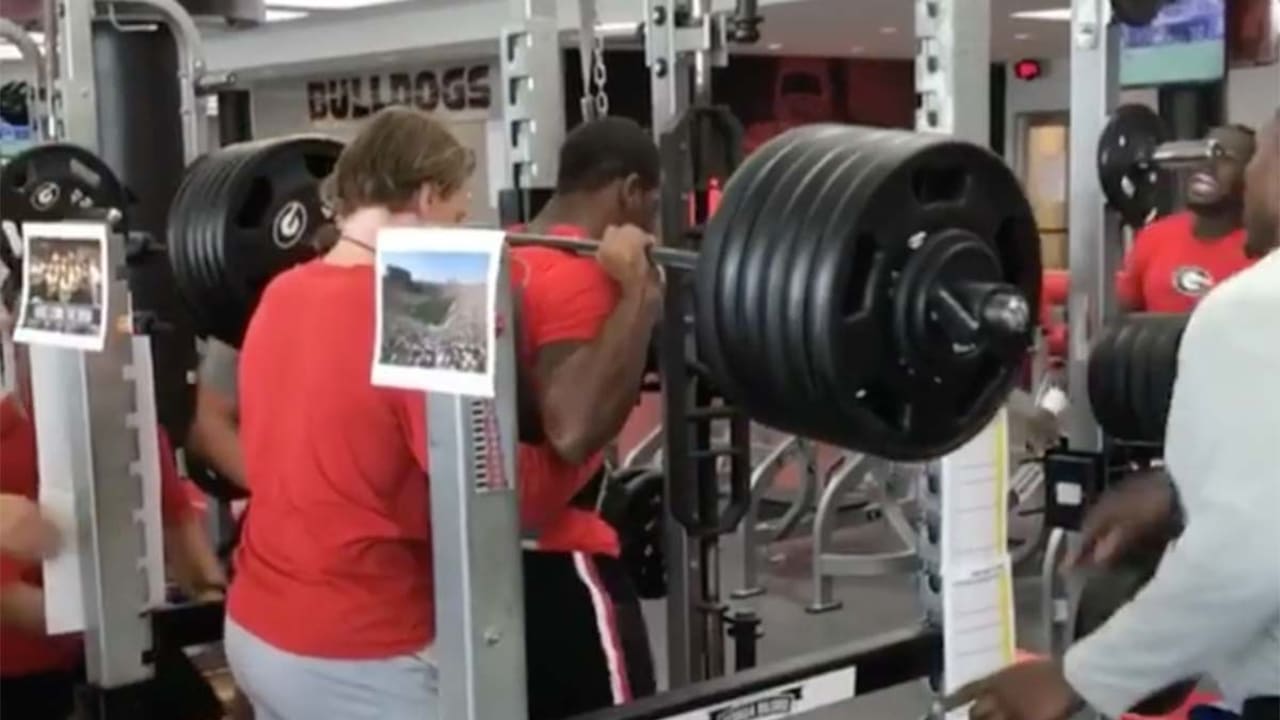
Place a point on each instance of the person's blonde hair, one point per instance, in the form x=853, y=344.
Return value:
x=397, y=152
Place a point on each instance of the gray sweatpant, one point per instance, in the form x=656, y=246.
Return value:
x=284, y=686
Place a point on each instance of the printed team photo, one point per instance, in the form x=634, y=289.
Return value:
x=64, y=297
x=435, y=311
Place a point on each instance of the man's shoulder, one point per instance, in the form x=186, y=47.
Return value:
x=536, y=262
x=1239, y=307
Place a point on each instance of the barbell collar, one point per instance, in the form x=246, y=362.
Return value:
x=1006, y=312
x=663, y=256
x=968, y=312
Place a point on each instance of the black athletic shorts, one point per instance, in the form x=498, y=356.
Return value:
x=585, y=640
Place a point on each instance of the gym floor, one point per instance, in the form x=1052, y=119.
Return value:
x=871, y=606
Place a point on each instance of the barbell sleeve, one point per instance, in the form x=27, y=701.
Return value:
x=663, y=256
x=1186, y=153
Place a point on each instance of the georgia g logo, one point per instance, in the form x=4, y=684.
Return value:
x=1192, y=281
x=289, y=225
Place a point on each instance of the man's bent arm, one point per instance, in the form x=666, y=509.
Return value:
x=214, y=435
x=1214, y=591
x=22, y=607
x=587, y=390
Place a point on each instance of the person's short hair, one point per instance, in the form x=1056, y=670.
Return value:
x=397, y=151
x=600, y=151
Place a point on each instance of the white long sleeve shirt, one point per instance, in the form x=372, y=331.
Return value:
x=1213, y=606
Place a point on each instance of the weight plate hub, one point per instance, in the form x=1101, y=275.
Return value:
x=1130, y=183
x=243, y=215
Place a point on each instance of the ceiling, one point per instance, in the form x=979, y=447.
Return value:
x=838, y=28
x=884, y=28
x=871, y=28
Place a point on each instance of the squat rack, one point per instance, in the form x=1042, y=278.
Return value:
x=1094, y=248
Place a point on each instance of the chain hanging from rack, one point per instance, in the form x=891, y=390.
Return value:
x=595, y=101
x=601, y=76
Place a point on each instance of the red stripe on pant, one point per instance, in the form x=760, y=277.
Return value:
x=607, y=627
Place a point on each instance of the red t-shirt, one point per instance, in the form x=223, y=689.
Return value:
x=22, y=652
x=1169, y=270
x=564, y=298
x=335, y=556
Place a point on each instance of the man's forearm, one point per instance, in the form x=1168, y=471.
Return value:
x=195, y=567
x=1211, y=595
x=22, y=607
x=595, y=389
x=216, y=441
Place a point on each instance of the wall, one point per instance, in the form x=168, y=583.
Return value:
x=1252, y=94
x=1050, y=93
x=460, y=93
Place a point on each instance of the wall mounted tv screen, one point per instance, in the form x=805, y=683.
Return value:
x=1185, y=44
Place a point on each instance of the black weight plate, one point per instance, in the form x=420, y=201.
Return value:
x=1128, y=142
x=836, y=209
x=745, y=241
x=242, y=215
x=1101, y=394
x=771, y=233
x=786, y=350
x=642, y=548
x=276, y=204
x=1138, y=362
x=1162, y=371
x=827, y=196
x=192, y=234
x=54, y=181
x=915, y=185
x=729, y=235
x=715, y=240
x=232, y=312
x=1123, y=416
x=192, y=228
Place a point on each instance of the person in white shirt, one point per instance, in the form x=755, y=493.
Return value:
x=1213, y=606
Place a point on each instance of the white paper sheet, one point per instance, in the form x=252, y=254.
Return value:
x=64, y=297
x=63, y=592
x=436, y=295
x=974, y=481
x=977, y=624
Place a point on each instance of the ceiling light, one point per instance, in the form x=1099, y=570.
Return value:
x=1022, y=36
x=774, y=46
x=857, y=49
x=1062, y=14
x=616, y=29
x=325, y=4
x=888, y=30
x=277, y=15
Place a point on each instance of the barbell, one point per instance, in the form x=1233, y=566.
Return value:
x=874, y=289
